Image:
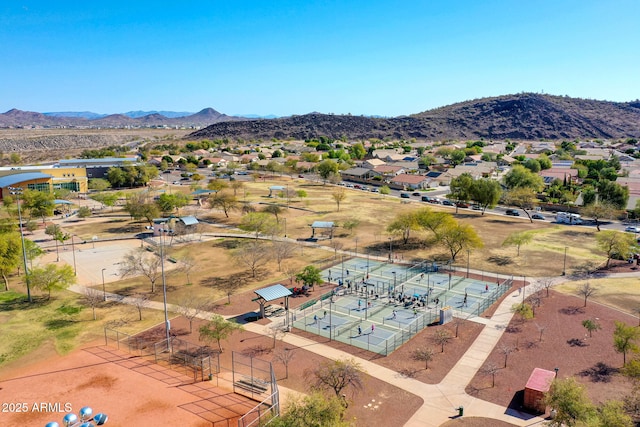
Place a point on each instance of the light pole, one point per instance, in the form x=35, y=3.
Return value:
x=167, y=325
x=73, y=252
x=104, y=290
x=564, y=264
x=356, y=247
x=18, y=192
x=85, y=418
x=390, y=250
x=285, y=227
x=468, y=256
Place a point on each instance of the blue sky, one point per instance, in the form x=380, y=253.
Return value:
x=294, y=57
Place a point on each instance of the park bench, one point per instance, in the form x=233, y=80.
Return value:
x=253, y=385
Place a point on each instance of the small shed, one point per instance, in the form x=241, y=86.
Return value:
x=538, y=384
x=325, y=227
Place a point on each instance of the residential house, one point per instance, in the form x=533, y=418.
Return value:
x=410, y=181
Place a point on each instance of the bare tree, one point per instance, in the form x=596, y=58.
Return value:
x=252, y=255
x=188, y=264
x=140, y=301
x=491, y=369
x=547, y=283
x=423, y=354
x=291, y=272
x=275, y=331
x=336, y=247
x=284, y=356
x=506, y=350
x=140, y=262
x=92, y=297
x=282, y=250
x=190, y=306
x=442, y=337
x=586, y=291
x=457, y=322
x=337, y=375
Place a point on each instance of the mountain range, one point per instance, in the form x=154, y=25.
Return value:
x=205, y=117
x=524, y=116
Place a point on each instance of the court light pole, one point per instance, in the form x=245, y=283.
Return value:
x=73, y=252
x=390, y=250
x=564, y=264
x=167, y=325
x=104, y=290
x=18, y=192
x=468, y=256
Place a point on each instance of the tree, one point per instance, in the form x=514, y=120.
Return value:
x=523, y=198
x=339, y=194
x=403, y=224
x=258, y=222
x=106, y=199
x=235, y=186
x=282, y=250
x=486, y=192
x=614, y=243
x=521, y=177
x=252, y=255
x=586, y=290
x=98, y=184
x=350, y=224
x=461, y=188
x=38, y=203
x=611, y=414
x=613, y=193
x=190, y=306
x=10, y=255
x=624, y=337
x=385, y=190
x=140, y=262
x=337, y=375
x=284, y=356
x=224, y=201
x=92, y=297
x=423, y=354
x=458, y=236
x=569, y=399
x=326, y=168
x=140, y=301
x=218, y=329
x=599, y=210
x=591, y=325
x=506, y=349
x=84, y=212
x=522, y=310
x=517, y=239
x=491, y=369
x=273, y=209
x=52, y=278
x=172, y=202
x=442, y=337
x=314, y=410
x=187, y=264
x=309, y=276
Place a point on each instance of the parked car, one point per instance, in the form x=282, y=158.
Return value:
x=364, y=188
x=405, y=195
x=357, y=186
x=537, y=216
x=300, y=176
x=415, y=193
x=462, y=205
x=632, y=229
x=512, y=212
x=447, y=202
x=476, y=207
x=426, y=199
x=375, y=190
x=434, y=201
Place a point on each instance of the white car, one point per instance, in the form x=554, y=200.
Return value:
x=632, y=229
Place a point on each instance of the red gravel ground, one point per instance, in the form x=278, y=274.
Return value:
x=565, y=345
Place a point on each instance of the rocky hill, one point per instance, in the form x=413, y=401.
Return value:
x=17, y=118
x=525, y=116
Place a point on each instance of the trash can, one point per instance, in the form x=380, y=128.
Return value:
x=460, y=411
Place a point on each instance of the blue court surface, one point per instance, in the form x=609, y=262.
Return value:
x=378, y=306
